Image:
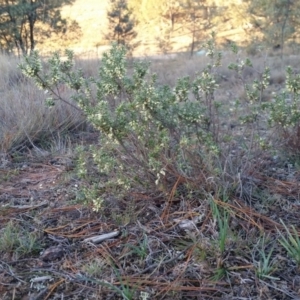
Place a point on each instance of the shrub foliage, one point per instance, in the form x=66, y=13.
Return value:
x=154, y=136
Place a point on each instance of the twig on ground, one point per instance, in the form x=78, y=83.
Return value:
x=100, y=238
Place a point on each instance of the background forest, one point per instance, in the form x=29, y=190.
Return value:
x=158, y=26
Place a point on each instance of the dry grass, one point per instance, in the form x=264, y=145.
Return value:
x=188, y=246
x=25, y=119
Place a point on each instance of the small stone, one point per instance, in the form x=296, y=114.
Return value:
x=52, y=253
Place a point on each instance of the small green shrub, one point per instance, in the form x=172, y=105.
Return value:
x=151, y=135
x=284, y=114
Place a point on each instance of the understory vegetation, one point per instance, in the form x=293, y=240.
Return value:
x=191, y=164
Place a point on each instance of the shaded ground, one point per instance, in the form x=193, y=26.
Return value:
x=162, y=248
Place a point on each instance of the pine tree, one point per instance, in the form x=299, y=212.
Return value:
x=23, y=23
x=198, y=16
x=277, y=20
x=121, y=23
